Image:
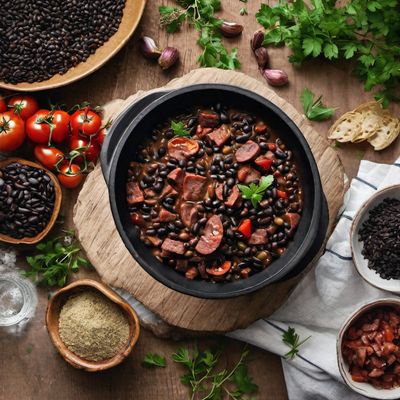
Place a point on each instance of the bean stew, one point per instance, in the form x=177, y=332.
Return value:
x=216, y=194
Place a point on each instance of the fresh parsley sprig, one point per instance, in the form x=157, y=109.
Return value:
x=56, y=260
x=366, y=31
x=315, y=110
x=292, y=339
x=154, y=360
x=255, y=192
x=179, y=129
x=200, y=14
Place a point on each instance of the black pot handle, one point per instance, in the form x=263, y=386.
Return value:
x=117, y=130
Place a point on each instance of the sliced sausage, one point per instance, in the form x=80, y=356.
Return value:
x=173, y=246
x=219, y=191
x=247, y=151
x=175, y=178
x=194, y=187
x=208, y=119
x=248, y=174
x=188, y=213
x=168, y=191
x=212, y=236
x=133, y=193
x=166, y=216
x=259, y=236
x=220, y=135
x=191, y=273
x=233, y=197
x=182, y=148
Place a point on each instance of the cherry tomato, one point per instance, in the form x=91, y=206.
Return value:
x=24, y=106
x=245, y=228
x=90, y=147
x=103, y=132
x=70, y=176
x=44, y=123
x=220, y=269
x=48, y=156
x=12, y=131
x=85, y=122
x=3, y=105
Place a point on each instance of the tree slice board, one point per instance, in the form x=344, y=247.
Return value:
x=106, y=251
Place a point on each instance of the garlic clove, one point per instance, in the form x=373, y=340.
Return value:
x=230, y=29
x=257, y=40
x=149, y=48
x=262, y=57
x=275, y=77
x=168, y=57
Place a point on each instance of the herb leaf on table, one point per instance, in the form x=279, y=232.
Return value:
x=200, y=14
x=154, y=360
x=292, y=339
x=315, y=110
x=179, y=129
x=255, y=192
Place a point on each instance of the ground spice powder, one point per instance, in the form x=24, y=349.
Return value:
x=93, y=327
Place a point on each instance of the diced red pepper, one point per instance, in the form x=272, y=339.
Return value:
x=281, y=194
x=358, y=378
x=272, y=146
x=264, y=163
x=388, y=333
x=245, y=228
x=220, y=269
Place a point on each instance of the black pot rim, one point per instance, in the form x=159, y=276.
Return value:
x=187, y=286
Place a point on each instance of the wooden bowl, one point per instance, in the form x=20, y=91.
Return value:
x=52, y=316
x=56, y=210
x=132, y=13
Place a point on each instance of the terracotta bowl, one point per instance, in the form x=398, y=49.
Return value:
x=52, y=316
x=364, y=388
x=57, y=204
x=132, y=13
x=361, y=263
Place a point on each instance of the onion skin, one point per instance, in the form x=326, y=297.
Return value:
x=168, y=58
x=275, y=77
x=148, y=48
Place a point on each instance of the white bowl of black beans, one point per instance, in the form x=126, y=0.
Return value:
x=375, y=240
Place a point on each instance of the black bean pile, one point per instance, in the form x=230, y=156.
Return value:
x=42, y=38
x=26, y=200
x=381, y=236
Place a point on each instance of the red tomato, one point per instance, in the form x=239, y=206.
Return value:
x=103, y=132
x=70, y=176
x=48, y=156
x=23, y=105
x=281, y=194
x=85, y=122
x=44, y=123
x=245, y=228
x=264, y=163
x=89, y=147
x=12, y=131
x=3, y=105
x=220, y=269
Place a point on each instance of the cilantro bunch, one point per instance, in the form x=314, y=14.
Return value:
x=200, y=14
x=367, y=31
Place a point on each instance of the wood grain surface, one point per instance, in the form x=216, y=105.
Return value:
x=106, y=251
x=30, y=368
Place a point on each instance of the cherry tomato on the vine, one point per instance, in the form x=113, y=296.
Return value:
x=23, y=105
x=3, y=105
x=12, y=131
x=85, y=122
x=70, y=176
x=48, y=156
x=44, y=123
x=90, y=147
x=103, y=132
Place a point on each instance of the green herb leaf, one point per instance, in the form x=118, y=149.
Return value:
x=243, y=11
x=254, y=192
x=292, y=339
x=179, y=129
x=154, y=360
x=314, y=110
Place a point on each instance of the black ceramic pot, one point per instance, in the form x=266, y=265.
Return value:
x=130, y=130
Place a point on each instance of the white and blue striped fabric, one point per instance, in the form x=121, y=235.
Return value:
x=323, y=300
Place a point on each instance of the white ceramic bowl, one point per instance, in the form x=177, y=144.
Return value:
x=366, y=389
x=392, y=285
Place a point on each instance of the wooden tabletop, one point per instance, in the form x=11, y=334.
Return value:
x=30, y=367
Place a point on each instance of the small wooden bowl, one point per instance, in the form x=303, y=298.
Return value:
x=52, y=316
x=130, y=20
x=56, y=210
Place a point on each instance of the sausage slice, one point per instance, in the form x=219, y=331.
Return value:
x=188, y=213
x=212, y=236
x=182, y=148
x=133, y=193
x=173, y=246
x=247, y=151
x=175, y=178
x=220, y=136
x=248, y=174
x=233, y=197
x=194, y=187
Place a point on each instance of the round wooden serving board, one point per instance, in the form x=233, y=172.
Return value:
x=106, y=251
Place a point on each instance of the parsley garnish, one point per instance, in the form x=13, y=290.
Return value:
x=254, y=192
x=179, y=129
x=154, y=360
x=200, y=14
x=362, y=30
x=292, y=339
x=243, y=11
x=315, y=110
x=56, y=259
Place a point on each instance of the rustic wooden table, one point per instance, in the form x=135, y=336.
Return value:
x=30, y=368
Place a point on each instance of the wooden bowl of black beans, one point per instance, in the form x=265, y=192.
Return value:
x=30, y=200
x=66, y=40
